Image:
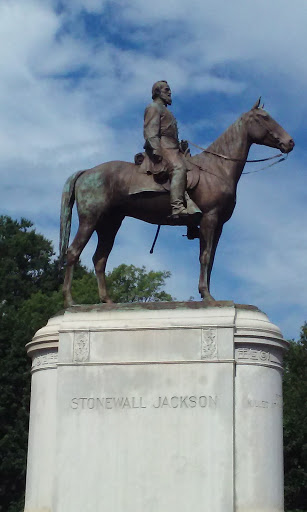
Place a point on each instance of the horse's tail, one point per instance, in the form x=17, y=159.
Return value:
x=68, y=199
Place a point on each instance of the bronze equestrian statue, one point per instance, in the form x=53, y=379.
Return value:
x=107, y=193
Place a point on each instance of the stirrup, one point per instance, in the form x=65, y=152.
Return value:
x=193, y=232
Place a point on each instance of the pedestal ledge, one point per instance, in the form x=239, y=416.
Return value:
x=250, y=324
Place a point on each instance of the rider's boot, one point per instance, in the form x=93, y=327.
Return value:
x=180, y=214
x=178, y=185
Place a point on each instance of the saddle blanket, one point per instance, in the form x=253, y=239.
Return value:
x=144, y=181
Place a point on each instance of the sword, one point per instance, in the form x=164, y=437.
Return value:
x=155, y=239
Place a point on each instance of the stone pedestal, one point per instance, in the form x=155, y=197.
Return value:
x=156, y=407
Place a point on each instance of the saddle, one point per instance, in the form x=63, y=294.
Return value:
x=149, y=176
x=149, y=166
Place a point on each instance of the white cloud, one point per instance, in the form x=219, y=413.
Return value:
x=267, y=37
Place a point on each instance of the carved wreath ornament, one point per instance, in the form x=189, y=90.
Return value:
x=81, y=346
x=209, y=343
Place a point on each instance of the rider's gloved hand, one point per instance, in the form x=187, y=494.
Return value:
x=184, y=145
x=157, y=157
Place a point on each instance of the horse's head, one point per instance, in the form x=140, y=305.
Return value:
x=264, y=130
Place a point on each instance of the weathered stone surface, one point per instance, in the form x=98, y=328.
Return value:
x=156, y=407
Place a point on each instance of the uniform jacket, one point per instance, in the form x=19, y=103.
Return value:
x=160, y=128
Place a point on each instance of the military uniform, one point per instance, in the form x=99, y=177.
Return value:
x=161, y=136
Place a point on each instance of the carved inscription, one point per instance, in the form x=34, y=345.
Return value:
x=209, y=343
x=81, y=346
x=139, y=402
x=252, y=354
x=185, y=401
x=276, y=402
x=47, y=360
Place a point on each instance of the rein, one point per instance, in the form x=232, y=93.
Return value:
x=281, y=157
x=235, y=159
x=270, y=165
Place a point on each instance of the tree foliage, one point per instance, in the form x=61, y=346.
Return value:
x=24, y=261
x=30, y=282
x=26, y=268
x=128, y=283
x=295, y=424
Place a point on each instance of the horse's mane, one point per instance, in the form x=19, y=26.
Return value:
x=224, y=142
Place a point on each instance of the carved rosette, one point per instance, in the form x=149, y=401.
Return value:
x=81, y=346
x=209, y=343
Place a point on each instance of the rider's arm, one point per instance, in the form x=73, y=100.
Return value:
x=152, y=118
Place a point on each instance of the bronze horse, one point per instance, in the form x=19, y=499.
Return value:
x=103, y=199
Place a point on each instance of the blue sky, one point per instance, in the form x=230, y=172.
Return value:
x=76, y=77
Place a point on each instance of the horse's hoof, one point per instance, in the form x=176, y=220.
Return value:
x=69, y=304
x=106, y=301
x=208, y=300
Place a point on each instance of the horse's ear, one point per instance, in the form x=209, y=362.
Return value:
x=262, y=106
x=256, y=104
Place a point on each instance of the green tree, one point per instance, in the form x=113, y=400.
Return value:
x=295, y=424
x=24, y=261
x=128, y=283
x=26, y=268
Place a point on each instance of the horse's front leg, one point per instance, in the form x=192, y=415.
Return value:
x=68, y=300
x=209, y=235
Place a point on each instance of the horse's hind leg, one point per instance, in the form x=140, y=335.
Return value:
x=106, y=232
x=83, y=235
